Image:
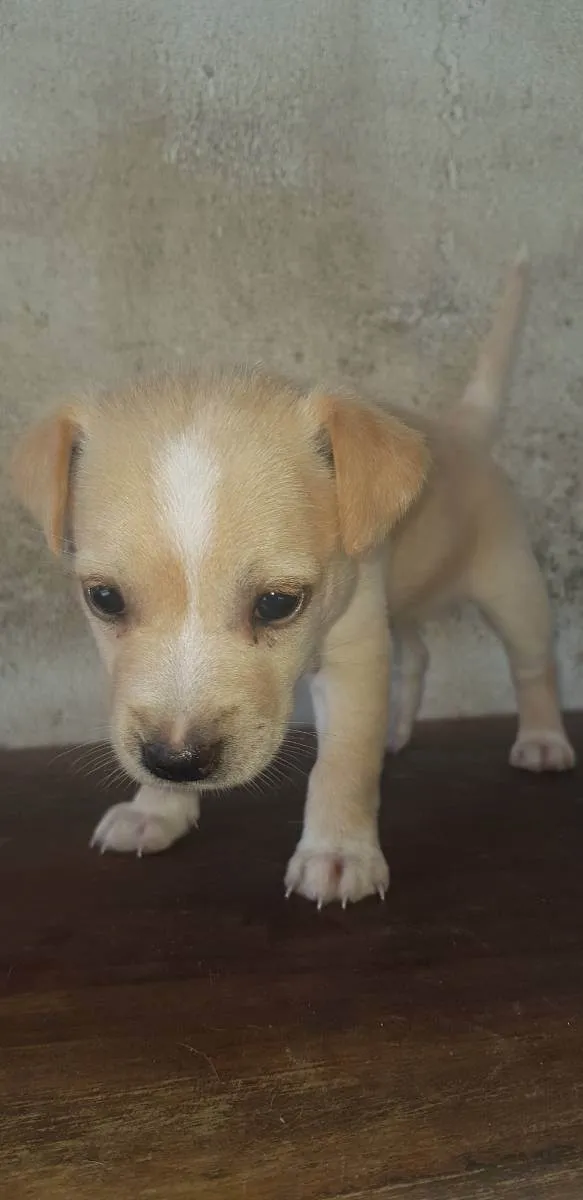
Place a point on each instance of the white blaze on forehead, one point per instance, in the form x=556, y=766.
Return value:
x=187, y=477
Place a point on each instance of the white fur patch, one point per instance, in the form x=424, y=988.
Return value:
x=187, y=478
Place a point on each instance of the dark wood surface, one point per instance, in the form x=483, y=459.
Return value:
x=173, y=1028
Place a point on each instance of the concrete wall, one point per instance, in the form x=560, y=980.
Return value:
x=330, y=186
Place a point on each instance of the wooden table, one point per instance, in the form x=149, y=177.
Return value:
x=173, y=1028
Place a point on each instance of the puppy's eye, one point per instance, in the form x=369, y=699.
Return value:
x=105, y=601
x=274, y=608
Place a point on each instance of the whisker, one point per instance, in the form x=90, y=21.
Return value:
x=115, y=777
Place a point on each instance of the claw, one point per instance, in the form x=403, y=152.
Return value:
x=140, y=852
x=288, y=892
x=320, y=903
x=382, y=893
x=344, y=902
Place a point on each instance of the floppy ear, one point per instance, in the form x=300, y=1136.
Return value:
x=42, y=467
x=380, y=466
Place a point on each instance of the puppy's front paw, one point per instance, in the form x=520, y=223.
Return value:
x=346, y=872
x=130, y=829
x=542, y=750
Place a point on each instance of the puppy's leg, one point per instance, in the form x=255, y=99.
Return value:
x=151, y=822
x=339, y=857
x=509, y=588
x=407, y=679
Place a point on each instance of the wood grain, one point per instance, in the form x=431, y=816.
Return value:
x=173, y=1028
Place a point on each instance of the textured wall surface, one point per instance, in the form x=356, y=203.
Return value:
x=329, y=186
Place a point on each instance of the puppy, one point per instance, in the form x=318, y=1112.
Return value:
x=229, y=535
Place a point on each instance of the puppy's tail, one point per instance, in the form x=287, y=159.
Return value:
x=476, y=414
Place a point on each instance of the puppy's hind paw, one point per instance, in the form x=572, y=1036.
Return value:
x=542, y=750
x=399, y=736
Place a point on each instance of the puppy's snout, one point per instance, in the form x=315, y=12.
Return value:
x=181, y=764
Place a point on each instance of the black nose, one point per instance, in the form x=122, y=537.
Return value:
x=184, y=764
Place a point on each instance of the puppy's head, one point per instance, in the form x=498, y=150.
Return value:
x=214, y=531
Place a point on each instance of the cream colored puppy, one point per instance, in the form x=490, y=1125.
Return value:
x=229, y=535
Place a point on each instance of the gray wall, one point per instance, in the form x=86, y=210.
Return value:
x=328, y=185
